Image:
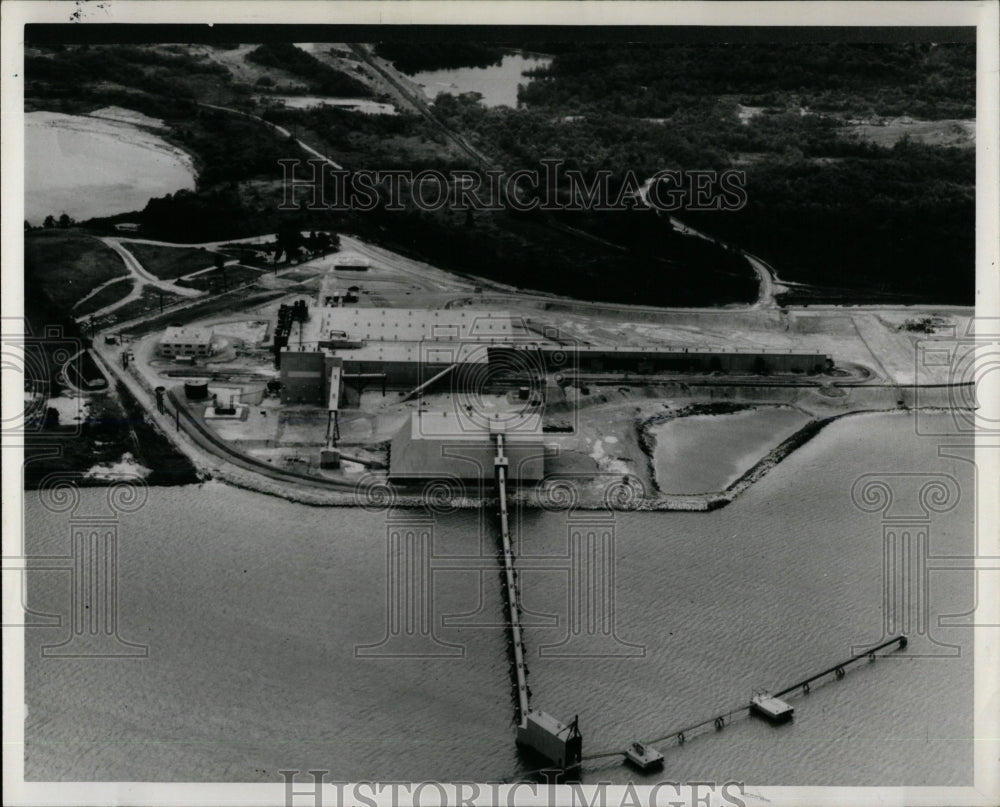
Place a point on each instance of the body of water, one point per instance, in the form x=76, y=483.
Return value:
x=87, y=167
x=253, y=609
x=706, y=453
x=496, y=83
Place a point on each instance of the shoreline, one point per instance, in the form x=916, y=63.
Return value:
x=821, y=399
x=377, y=494
x=229, y=465
x=176, y=165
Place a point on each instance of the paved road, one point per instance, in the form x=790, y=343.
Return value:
x=253, y=239
x=207, y=454
x=396, y=81
x=98, y=288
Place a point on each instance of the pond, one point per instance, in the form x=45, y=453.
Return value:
x=706, y=453
x=496, y=83
x=86, y=167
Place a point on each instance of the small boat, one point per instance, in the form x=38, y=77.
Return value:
x=774, y=709
x=644, y=757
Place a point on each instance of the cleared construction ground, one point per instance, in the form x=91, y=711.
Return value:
x=595, y=381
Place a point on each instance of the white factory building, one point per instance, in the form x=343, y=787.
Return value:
x=186, y=342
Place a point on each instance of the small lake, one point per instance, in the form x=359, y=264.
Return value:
x=707, y=453
x=86, y=167
x=497, y=83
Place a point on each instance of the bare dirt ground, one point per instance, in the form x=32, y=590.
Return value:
x=870, y=337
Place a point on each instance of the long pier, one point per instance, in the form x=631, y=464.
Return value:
x=838, y=669
x=560, y=743
x=721, y=719
x=563, y=743
x=501, y=465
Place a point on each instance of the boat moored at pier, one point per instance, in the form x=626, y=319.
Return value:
x=771, y=708
x=644, y=757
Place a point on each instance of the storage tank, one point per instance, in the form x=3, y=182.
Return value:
x=196, y=390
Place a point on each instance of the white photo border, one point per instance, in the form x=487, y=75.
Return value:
x=981, y=15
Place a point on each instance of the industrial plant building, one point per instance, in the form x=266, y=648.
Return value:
x=330, y=351
x=398, y=347
x=186, y=342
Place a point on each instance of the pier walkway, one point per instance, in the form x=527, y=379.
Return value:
x=510, y=585
x=721, y=719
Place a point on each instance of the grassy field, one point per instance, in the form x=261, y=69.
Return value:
x=168, y=263
x=68, y=264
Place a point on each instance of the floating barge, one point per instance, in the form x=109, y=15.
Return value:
x=644, y=757
x=771, y=708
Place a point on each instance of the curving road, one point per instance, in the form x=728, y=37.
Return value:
x=142, y=279
x=145, y=277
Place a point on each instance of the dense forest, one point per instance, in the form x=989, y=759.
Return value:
x=919, y=79
x=825, y=209
x=852, y=219
x=151, y=81
x=900, y=226
x=239, y=191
